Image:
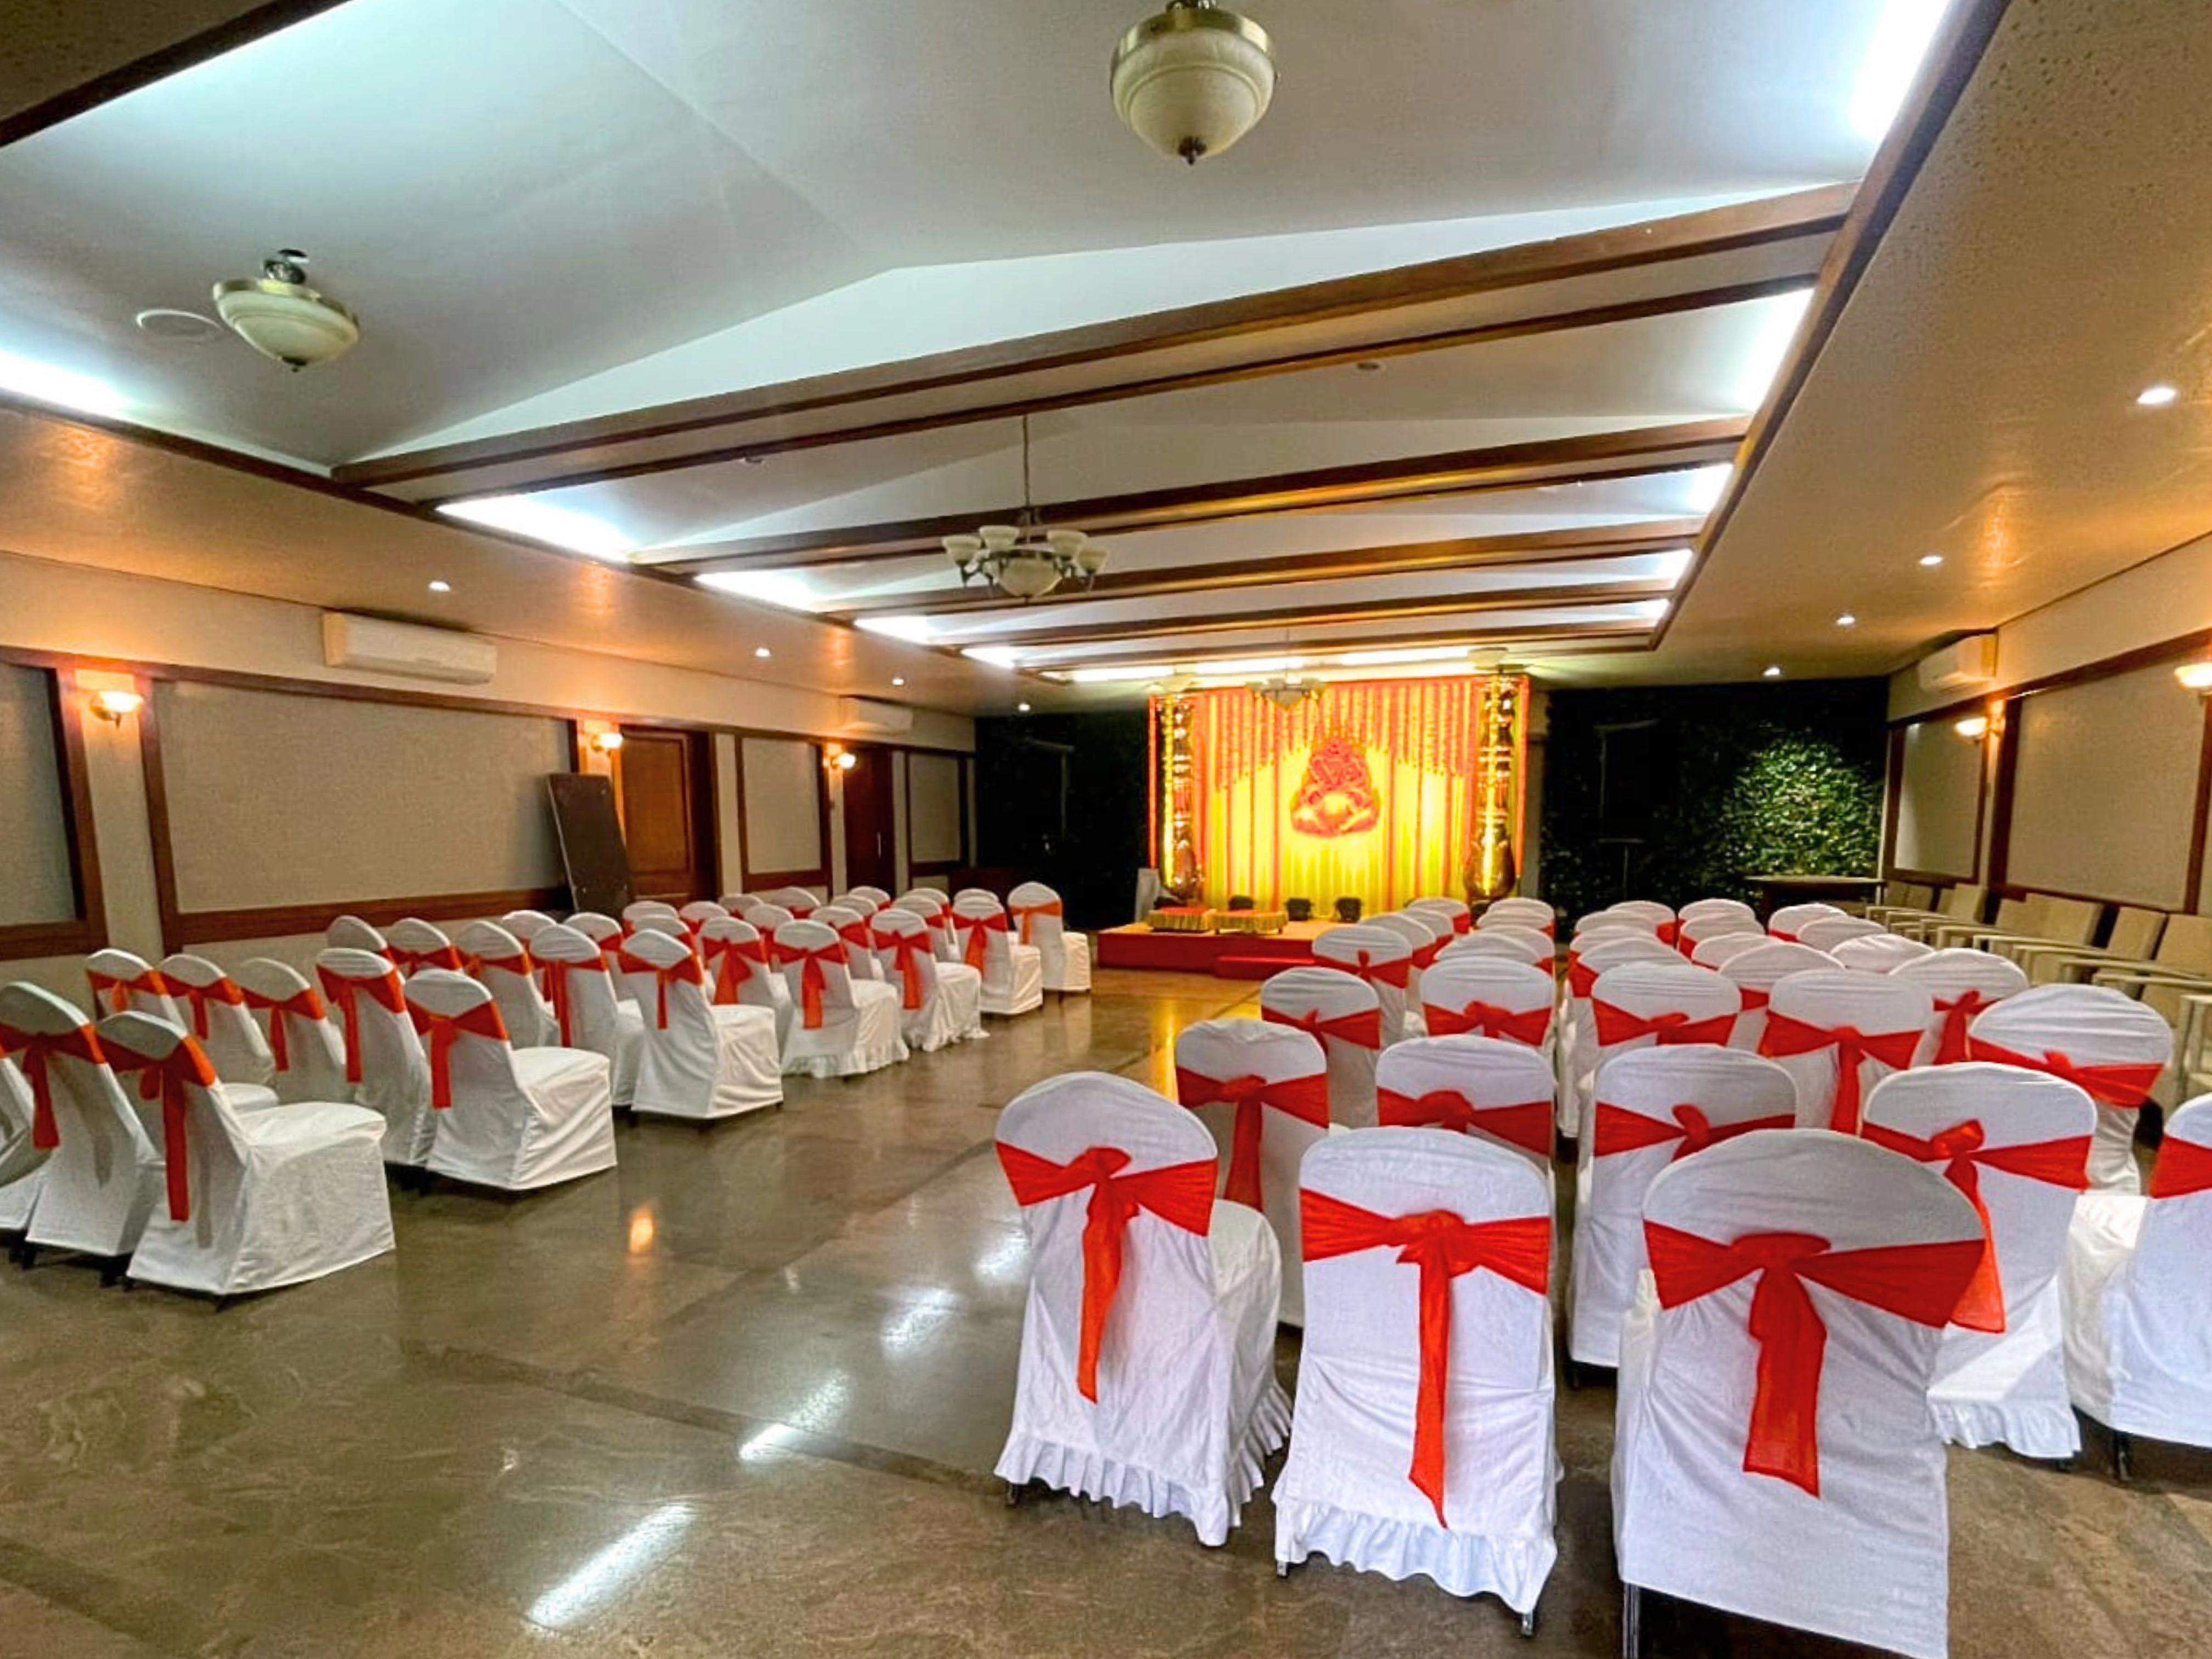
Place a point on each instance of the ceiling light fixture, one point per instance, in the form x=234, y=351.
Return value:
x=1930, y=561
x=280, y=316
x=441, y=585
x=1192, y=80
x=898, y=680
x=1771, y=671
x=1847, y=620
x=2157, y=397
x=1024, y=560
x=1021, y=709
x=1901, y=37
x=1287, y=691
x=763, y=653
x=539, y=521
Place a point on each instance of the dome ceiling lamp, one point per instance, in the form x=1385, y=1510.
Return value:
x=280, y=316
x=1192, y=80
x=1287, y=691
x=1024, y=560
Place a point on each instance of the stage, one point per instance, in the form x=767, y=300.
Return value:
x=1228, y=955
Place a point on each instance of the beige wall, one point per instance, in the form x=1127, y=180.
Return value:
x=1939, y=801
x=783, y=820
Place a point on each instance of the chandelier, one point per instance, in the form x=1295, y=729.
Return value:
x=1287, y=691
x=1024, y=560
x=1192, y=80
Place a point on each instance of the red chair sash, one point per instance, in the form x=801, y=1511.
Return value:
x=858, y=934
x=1784, y=1035
x=117, y=988
x=813, y=978
x=1619, y=1130
x=684, y=970
x=1755, y=997
x=1581, y=980
x=414, y=962
x=1362, y=1028
x=32, y=1050
x=1424, y=956
x=1026, y=913
x=2124, y=1086
x=1180, y=1194
x=1958, y=1014
x=224, y=990
x=1441, y=1246
x=1672, y=1027
x=1919, y=1282
x=344, y=991
x=1669, y=932
x=169, y=1079
x=728, y=958
x=978, y=930
x=305, y=1002
x=562, y=994
x=444, y=1030
x=1958, y=1149
x=1305, y=1098
x=522, y=963
x=1778, y=933
x=1528, y=1123
x=908, y=950
x=1526, y=1027
x=1398, y=972
x=2184, y=1168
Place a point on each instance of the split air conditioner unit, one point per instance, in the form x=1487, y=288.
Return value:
x=884, y=719
x=422, y=653
x=1968, y=662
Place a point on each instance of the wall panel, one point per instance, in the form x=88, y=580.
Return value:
x=933, y=810
x=35, y=881
x=1939, y=802
x=783, y=812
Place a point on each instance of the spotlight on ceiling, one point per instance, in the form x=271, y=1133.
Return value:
x=1192, y=80
x=280, y=316
x=2157, y=397
x=1771, y=671
x=1930, y=561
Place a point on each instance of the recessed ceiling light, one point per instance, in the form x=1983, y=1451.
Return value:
x=1771, y=671
x=179, y=327
x=1930, y=561
x=898, y=680
x=2156, y=397
x=1021, y=709
x=1369, y=366
x=1847, y=620
x=762, y=652
x=755, y=460
x=441, y=586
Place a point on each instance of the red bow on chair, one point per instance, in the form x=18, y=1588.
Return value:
x=1581, y=980
x=444, y=1030
x=1424, y=956
x=1958, y=1014
x=1958, y=1149
x=117, y=988
x=168, y=1078
x=1443, y=1247
x=33, y=1050
x=1024, y=912
x=343, y=990
x=224, y=990
x=684, y=970
x=414, y=962
x=1526, y=1027
x=1362, y=1028
x=2184, y=1167
x=857, y=933
x=2126, y=1086
x=909, y=950
x=728, y=958
x=1919, y=1282
x=1180, y=1194
x=978, y=930
x=563, y=995
x=813, y=977
x=1673, y=1028
x=1784, y=1035
x=1755, y=998
x=1397, y=972
x=1526, y=1124
x=303, y=1002
x=1305, y=1098
x=474, y=965
x=1619, y=1130
x=1669, y=932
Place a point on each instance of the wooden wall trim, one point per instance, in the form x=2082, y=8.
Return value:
x=86, y=930
x=2008, y=774
x=2192, y=885
x=279, y=921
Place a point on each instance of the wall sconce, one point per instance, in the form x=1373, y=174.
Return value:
x=2197, y=676
x=606, y=740
x=838, y=758
x=1973, y=728
x=116, y=706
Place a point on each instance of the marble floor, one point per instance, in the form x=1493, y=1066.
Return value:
x=742, y=1396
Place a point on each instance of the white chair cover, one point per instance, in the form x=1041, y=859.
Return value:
x=2114, y=1046
x=120, y=981
x=526, y=924
x=1483, y=1086
x=859, y=940
x=2138, y=1293
x=933, y=908
x=1423, y=938
x=1818, y=1500
x=1458, y=921
x=1340, y=1011
x=740, y=904
x=1489, y=996
x=1575, y=1044
x=1642, y=1004
x=211, y=1006
x=588, y=1011
x=413, y=945
x=514, y=1119
x=1013, y=974
x=740, y=964
x=1788, y=919
x=102, y=1172
x=1880, y=953
x=1593, y=921
x=1181, y=1403
x=253, y=1199
x=1757, y=972
x=1654, y=1107
x=860, y=899
x=835, y=1025
x=1837, y=1034
x=1382, y=957
x=801, y=901
x=1705, y=910
x=875, y=895
x=698, y=1059
x=22, y=1160
x=1716, y=949
x=499, y=961
x=1036, y=913
x=1518, y=911
x=1692, y=932
x=384, y=1064
x=602, y=930
x=939, y=1002
x=1963, y=982
x=307, y=1057
x=1648, y=914
x=1826, y=932
x=657, y=913
x=1504, y=938
x=697, y=913
x=1462, y=1491
x=353, y=933
x=2017, y=1143
x=769, y=917
x=1261, y=1090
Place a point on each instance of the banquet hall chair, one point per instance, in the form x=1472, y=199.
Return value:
x=933, y=908
x=2111, y=1045
x=696, y=1058
x=384, y=1065
x=526, y=924
x=857, y=899
x=1837, y=1034
x=1962, y=902
x=211, y=1006
x=1691, y=931
x=2138, y=1297
x=1154, y=1387
x=739, y=904
x=655, y=914
x=119, y=979
x=1339, y=1010
x=837, y=1025
x=1716, y=949
x=2016, y=1143
x=1458, y=921
x=1879, y=953
x=1640, y=1004
x=1381, y=957
x=1515, y=911
x=1787, y=920
x=512, y=1119
x=1488, y=1087
x=740, y=964
x=800, y=901
x=1261, y=1090
x=1757, y=971
x=415, y=945
x=1574, y=1041
x=250, y=1201
x=1038, y=917
x=503, y=965
x=1652, y=1108
x=1505, y=939
x=1826, y=932
x=1774, y=1451
x=875, y=895
x=939, y=1002
x=1962, y=982
x=697, y=914
x=767, y=918
x=1424, y=939
x=1013, y=973
x=1489, y=996
x=306, y=1056
x=588, y=1010
x=1422, y=1438
x=102, y=1173
x=350, y=933
x=1707, y=910
x=852, y=928
x=604, y=931
x=22, y=1160
x=1653, y=917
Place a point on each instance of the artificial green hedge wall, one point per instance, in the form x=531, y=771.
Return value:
x=1740, y=781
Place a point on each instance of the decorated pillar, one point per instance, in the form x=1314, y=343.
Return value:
x=1176, y=798
x=1493, y=862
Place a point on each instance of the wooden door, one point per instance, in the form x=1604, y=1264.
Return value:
x=666, y=780
x=869, y=826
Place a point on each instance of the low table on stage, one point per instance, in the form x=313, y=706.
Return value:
x=1775, y=891
x=1240, y=944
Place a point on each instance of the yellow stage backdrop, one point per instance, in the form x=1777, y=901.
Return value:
x=1368, y=792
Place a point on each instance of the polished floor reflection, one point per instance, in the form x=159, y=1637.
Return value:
x=742, y=1397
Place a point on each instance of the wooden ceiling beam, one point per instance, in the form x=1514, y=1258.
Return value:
x=1509, y=638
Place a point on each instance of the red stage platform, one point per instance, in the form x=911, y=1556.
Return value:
x=1227, y=955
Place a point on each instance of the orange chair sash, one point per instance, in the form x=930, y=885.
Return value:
x=1305, y=1098
x=169, y=1079
x=1527, y=1123
x=32, y=1050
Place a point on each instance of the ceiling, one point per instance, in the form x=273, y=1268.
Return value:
x=753, y=303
